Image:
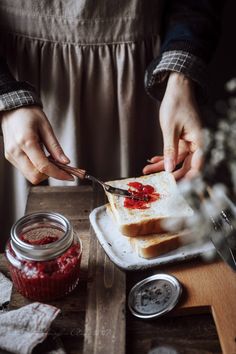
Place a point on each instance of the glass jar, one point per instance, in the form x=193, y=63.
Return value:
x=44, y=256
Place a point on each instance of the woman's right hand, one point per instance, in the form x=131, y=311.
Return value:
x=26, y=131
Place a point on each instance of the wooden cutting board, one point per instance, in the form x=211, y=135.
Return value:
x=209, y=288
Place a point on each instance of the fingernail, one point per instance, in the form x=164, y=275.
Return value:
x=169, y=164
x=149, y=160
x=64, y=158
x=144, y=171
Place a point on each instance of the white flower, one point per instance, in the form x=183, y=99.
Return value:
x=231, y=85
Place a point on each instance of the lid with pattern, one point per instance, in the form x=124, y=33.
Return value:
x=154, y=296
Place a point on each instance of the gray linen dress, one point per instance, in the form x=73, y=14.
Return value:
x=87, y=61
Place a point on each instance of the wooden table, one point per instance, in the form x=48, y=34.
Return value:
x=94, y=317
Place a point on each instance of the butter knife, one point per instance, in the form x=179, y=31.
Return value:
x=82, y=174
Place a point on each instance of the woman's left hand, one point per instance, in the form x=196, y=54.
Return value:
x=181, y=128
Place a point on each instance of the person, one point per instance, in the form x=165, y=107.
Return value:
x=71, y=85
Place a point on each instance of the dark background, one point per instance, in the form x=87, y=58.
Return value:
x=223, y=65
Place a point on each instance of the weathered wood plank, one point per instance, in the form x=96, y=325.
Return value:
x=189, y=335
x=3, y=265
x=73, y=202
x=105, y=314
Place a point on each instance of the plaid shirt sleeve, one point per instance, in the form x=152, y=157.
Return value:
x=174, y=60
x=14, y=94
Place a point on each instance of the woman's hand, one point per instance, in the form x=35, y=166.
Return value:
x=181, y=128
x=26, y=131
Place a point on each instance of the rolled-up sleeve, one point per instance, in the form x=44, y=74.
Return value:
x=13, y=93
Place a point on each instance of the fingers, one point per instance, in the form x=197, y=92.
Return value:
x=25, y=166
x=25, y=132
x=197, y=162
x=157, y=163
x=180, y=120
x=52, y=144
x=178, y=174
x=33, y=173
x=167, y=162
x=36, y=155
x=154, y=167
x=155, y=159
x=192, y=165
x=170, y=148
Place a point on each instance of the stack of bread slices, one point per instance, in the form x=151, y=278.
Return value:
x=145, y=223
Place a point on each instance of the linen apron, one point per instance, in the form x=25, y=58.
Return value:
x=87, y=61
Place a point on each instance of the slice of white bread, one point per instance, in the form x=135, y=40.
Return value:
x=155, y=245
x=137, y=222
x=151, y=246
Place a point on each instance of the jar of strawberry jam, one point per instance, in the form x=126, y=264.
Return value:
x=44, y=256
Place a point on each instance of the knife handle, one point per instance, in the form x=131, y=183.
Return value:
x=78, y=172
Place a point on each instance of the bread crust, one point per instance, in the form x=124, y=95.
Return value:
x=144, y=227
x=152, y=245
x=147, y=227
x=155, y=245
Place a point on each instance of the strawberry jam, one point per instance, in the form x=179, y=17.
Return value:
x=145, y=192
x=44, y=256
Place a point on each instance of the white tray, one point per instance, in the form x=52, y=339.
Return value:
x=120, y=252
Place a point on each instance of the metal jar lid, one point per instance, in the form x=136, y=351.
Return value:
x=43, y=252
x=154, y=296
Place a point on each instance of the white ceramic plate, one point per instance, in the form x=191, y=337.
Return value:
x=120, y=252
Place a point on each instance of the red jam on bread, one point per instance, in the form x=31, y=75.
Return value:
x=144, y=191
